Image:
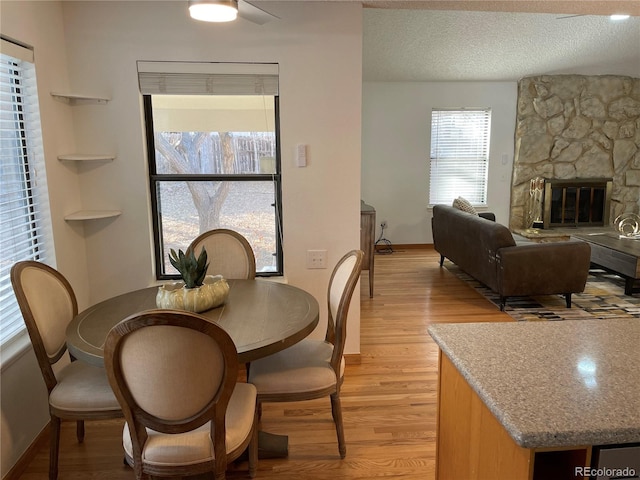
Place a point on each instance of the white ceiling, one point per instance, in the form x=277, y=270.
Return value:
x=436, y=45
x=493, y=40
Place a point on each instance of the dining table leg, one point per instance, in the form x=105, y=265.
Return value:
x=271, y=445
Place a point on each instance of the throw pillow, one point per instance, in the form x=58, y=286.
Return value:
x=463, y=204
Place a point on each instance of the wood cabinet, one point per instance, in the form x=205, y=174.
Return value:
x=472, y=444
x=536, y=400
x=367, y=234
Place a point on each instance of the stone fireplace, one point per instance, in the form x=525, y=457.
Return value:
x=581, y=134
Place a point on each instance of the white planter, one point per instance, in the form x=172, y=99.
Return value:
x=213, y=293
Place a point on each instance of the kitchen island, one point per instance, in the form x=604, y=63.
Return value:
x=530, y=400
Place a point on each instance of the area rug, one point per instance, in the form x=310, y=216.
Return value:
x=603, y=298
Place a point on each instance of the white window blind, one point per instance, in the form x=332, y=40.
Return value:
x=25, y=230
x=459, y=155
x=197, y=78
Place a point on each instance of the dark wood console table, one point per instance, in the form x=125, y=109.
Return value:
x=367, y=234
x=620, y=255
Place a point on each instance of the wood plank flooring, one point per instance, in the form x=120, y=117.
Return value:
x=388, y=401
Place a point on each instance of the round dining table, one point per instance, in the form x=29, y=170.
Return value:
x=262, y=317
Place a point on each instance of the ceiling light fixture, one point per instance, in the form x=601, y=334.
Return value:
x=213, y=10
x=618, y=17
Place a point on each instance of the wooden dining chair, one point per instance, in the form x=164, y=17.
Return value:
x=314, y=368
x=228, y=252
x=175, y=376
x=78, y=391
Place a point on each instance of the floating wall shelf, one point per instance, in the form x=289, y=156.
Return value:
x=72, y=99
x=92, y=215
x=82, y=215
x=85, y=157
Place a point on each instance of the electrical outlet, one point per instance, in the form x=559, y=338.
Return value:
x=316, y=259
x=383, y=224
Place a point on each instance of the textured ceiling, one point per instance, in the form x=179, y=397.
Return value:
x=444, y=45
x=588, y=7
x=492, y=40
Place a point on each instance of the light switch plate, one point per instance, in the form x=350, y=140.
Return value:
x=316, y=259
x=301, y=155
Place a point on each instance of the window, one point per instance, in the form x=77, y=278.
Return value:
x=212, y=136
x=25, y=229
x=459, y=155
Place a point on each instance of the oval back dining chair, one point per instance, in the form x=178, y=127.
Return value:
x=174, y=374
x=314, y=368
x=228, y=252
x=77, y=391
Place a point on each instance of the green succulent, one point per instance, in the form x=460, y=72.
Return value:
x=191, y=270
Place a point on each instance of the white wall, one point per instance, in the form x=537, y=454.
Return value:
x=23, y=401
x=396, y=136
x=319, y=50
x=104, y=40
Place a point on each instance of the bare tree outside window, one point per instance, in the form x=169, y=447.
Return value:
x=193, y=153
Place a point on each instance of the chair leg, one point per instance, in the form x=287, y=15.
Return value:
x=567, y=297
x=336, y=412
x=253, y=448
x=139, y=473
x=80, y=430
x=219, y=476
x=54, y=447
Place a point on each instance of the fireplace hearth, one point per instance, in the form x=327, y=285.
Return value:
x=579, y=202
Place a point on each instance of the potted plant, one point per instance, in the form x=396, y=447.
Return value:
x=198, y=291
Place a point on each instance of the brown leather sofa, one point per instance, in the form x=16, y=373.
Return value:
x=488, y=252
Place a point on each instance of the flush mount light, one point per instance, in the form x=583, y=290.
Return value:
x=618, y=17
x=213, y=10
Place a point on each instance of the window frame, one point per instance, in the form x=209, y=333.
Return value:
x=156, y=178
x=25, y=168
x=483, y=160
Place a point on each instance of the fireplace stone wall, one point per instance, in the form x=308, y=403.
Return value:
x=575, y=126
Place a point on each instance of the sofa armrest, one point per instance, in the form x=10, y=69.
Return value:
x=543, y=268
x=488, y=215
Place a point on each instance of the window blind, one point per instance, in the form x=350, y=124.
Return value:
x=195, y=78
x=459, y=155
x=25, y=230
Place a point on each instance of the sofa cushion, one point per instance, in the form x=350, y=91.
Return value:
x=463, y=204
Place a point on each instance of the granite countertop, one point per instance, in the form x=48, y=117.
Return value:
x=553, y=384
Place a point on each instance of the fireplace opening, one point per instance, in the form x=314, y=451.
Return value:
x=577, y=202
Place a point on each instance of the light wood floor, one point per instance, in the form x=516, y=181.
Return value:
x=389, y=400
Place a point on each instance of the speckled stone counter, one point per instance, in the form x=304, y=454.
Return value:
x=552, y=384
